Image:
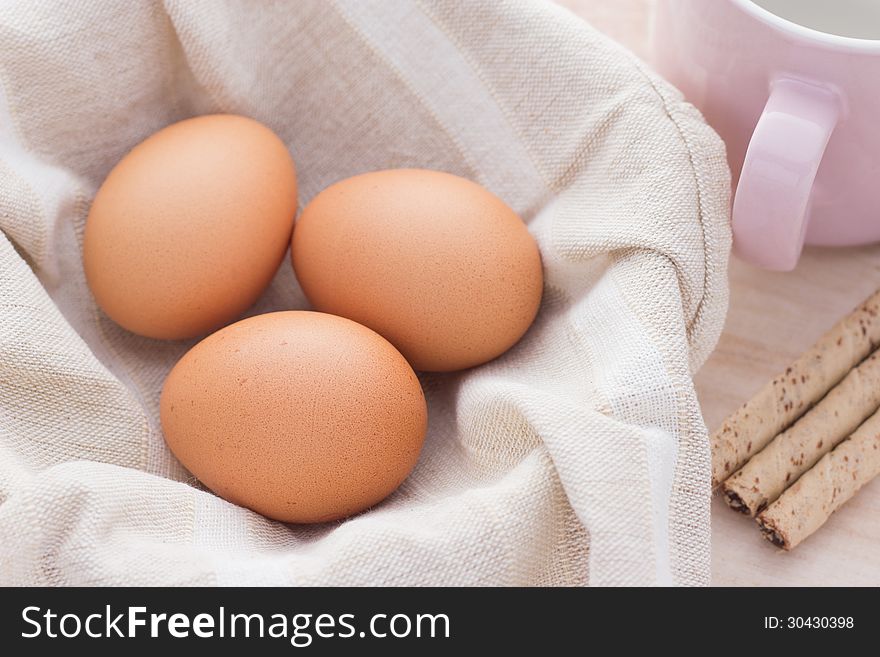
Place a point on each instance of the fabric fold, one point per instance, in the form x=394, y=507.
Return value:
x=579, y=457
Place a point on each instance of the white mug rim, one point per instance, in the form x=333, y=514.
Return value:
x=835, y=41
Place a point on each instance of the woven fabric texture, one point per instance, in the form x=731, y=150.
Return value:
x=579, y=457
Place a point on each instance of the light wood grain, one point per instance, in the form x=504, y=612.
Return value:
x=773, y=317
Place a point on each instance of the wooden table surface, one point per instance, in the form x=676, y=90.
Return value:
x=773, y=317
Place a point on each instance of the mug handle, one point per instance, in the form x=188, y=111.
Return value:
x=771, y=205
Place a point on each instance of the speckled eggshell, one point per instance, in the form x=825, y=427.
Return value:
x=435, y=263
x=301, y=416
x=189, y=227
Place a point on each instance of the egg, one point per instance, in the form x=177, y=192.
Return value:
x=190, y=226
x=435, y=263
x=301, y=416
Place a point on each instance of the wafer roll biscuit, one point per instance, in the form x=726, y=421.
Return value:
x=824, y=488
x=782, y=401
x=760, y=481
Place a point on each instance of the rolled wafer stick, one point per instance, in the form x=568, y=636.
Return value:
x=760, y=481
x=784, y=399
x=824, y=488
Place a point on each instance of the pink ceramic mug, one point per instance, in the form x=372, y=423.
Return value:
x=793, y=88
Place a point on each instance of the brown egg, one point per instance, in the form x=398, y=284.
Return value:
x=301, y=416
x=435, y=263
x=189, y=228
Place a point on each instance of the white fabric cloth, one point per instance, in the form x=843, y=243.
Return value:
x=578, y=457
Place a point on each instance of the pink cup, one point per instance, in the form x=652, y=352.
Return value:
x=798, y=107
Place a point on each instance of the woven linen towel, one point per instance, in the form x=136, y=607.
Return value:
x=578, y=457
